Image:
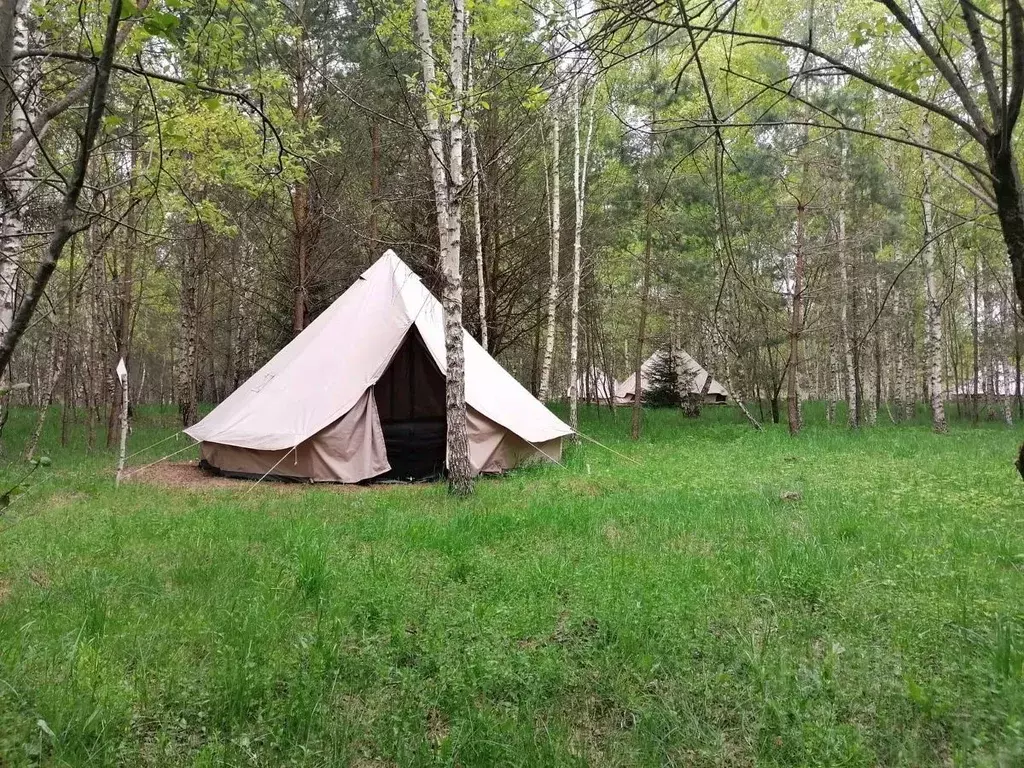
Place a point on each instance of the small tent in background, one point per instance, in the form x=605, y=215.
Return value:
x=593, y=386
x=625, y=390
x=360, y=394
x=995, y=381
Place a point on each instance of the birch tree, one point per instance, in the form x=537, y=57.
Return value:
x=846, y=352
x=447, y=178
x=478, y=238
x=556, y=235
x=581, y=161
x=933, y=304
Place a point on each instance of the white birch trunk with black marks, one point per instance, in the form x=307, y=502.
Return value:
x=846, y=350
x=581, y=159
x=933, y=306
x=478, y=236
x=446, y=175
x=187, y=371
x=20, y=180
x=556, y=228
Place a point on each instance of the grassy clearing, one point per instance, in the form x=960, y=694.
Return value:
x=678, y=611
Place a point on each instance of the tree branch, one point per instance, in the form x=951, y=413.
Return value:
x=64, y=228
x=944, y=67
x=995, y=101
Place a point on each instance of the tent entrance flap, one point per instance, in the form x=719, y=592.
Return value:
x=410, y=403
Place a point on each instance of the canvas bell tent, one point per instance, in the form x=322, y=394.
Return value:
x=625, y=390
x=593, y=386
x=360, y=394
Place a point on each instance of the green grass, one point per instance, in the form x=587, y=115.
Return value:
x=673, y=611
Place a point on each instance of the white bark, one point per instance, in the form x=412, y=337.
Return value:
x=446, y=173
x=124, y=427
x=21, y=179
x=474, y=169
x=556, y=226
x=844, y=298
x=933, y=307
x=581, y=160
x=899, y=383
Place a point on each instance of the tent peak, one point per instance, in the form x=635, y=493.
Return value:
x=391, y=262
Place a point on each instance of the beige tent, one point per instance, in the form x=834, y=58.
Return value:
x=360, y=394
x=625, y=390
x=593, y=385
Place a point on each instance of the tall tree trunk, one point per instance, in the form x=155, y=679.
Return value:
x=844, y=299
x=374, y=244
x=832, y=384
x=300, y=191
x=68, y=397
x=933, y=306
x=1006, y=308
x=900, y=340
x=880, y=339
x=478, y=238
x=1017, y=360
x=556, y=230
x=447, y=180
x=871, y=385
x=125, y=287
x=581, y=158
x=188, y=367
x=56, y=364
x=64, y=221
x=796, y=323
x=20, y=181
x=641, y=329
x=976, y=344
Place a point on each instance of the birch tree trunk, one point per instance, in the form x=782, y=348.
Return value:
x=19, y=181
x=844, y=298
x=641, y=328
x=478, y=239
x=556, y=228
x=868, y=352
x=300, y=191
x=581, y=159
x=796, y=324
x=446, y=174
x=899, y=336
x=56, y=364
x=933, y=307
x=881, y=338
x=832, y=384
x=187, y=372
x=64, y=221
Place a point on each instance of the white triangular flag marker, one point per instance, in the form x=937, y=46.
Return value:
x=122, y=375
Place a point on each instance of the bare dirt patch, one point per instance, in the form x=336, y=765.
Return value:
x=5, y=590
x=189, y=476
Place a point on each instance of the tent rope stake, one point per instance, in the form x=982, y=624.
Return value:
x=162, y=458
x=293, y=449
x=610, y=450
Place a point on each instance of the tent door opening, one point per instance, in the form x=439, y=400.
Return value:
x=410, y=404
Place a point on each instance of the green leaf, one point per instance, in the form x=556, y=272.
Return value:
x=44, y=461
x=161, y=24
x=128, y=8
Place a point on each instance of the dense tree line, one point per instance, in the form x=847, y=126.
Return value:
x=796, y=195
